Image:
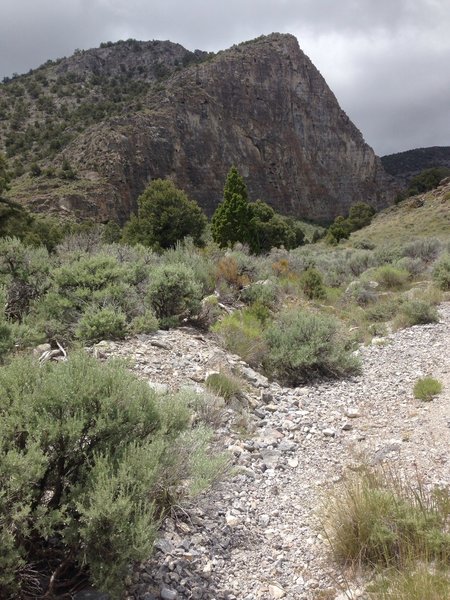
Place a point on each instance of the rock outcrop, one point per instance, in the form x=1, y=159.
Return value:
x=261, y=105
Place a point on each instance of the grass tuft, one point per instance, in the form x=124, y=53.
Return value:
x=427, y=388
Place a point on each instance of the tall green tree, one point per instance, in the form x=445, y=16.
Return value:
x=253, y=223
x=165, y=215
x=231, y=220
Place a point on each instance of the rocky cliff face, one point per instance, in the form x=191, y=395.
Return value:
x=262, y=106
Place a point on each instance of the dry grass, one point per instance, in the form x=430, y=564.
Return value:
x=423, y=216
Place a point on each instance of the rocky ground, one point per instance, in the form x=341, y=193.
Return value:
x=256, y=535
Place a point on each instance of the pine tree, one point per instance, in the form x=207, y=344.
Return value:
x=231, y=220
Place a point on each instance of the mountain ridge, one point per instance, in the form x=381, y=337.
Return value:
x=261, y=105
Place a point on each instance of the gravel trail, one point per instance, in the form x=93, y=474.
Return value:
x=256, y=535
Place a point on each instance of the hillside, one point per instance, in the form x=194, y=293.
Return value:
x=416, y=217
x=125, y=113
x=405, y=165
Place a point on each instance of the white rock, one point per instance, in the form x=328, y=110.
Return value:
x=232, y=520
x=352, y=413
x=276, y=591
x=329, y=432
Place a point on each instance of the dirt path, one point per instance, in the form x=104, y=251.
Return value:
x=256, y=536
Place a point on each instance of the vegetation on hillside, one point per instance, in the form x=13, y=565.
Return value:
x=295, y=311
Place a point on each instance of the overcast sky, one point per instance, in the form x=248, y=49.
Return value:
x=387, y=61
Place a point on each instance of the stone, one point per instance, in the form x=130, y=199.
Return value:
x=232, y=520
x=168, y=594
x=264, y=520
x=352, y=413
x=161, y=345
x=266, y=397
x=329, y=432
x=270, y=458
x=41, y=349
x=276, y=591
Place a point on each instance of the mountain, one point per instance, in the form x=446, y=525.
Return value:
x=94, y=128
x=405, y=165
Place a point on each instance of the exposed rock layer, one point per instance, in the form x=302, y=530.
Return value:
x=262, y=106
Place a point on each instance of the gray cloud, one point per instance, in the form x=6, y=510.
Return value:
x=386, y=61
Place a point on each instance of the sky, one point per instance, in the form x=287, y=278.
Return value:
x=387, y=61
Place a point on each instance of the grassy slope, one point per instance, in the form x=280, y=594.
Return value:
x=420, y=216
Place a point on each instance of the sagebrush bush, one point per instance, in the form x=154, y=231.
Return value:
x=426, y=388
x=390, y=277
x=426, y=249
x=303, y=345
x=24, y=273
x=441, y=272
x=203, y=266
x=264, y=293
x=416, y=312
x=242, y=333
x=361, y=293
x=383, y=310
x=90, y=459
x=101, y=323
x=145, y=323
x=174, y=294
x=414, y=266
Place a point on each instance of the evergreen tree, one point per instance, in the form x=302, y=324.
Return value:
x=253, y=223
x=231, y=220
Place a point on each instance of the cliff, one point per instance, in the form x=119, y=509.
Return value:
x=262, y=106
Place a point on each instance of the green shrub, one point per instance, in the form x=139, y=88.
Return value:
x=101, y=323
x=390, y=277
x=311, y=282
x=96, y=286
x=441, y=272
x=223, y=385
x=417, y=312
x=90, y=460
x=427, y=388
x=263, y=293
x=414, y=266
x=428, y=179
x=361, y=293
x=6, y=338
x=382, y=310
x=242, y=334
x=427, y=249
x=302, y=346
x=187, y=253
x=375, y=518
x=146, y=323
x=174, y=294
